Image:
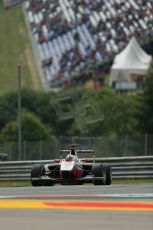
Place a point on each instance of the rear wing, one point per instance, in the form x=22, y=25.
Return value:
x=67, y=151
x=77, y=151
x=91, y=151
x=85, y=151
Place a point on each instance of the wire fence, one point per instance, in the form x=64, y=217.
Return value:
x=104, y=147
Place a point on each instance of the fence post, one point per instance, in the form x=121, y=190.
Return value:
x=19, y=115
x=24, y=150
x=10, y=151
x=126, y=145
x=146, y=144
x=40, y=150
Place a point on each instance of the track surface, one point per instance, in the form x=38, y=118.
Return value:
x=63, y=218
x=78, y=190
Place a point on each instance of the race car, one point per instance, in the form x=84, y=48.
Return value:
x=71, y=170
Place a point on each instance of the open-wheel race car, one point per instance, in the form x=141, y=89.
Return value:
x=71, y=170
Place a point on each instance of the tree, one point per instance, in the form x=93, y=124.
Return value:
x=146, y=118
x=8, y=108
x=71, y=112
x=118, y=113
x=32, y=129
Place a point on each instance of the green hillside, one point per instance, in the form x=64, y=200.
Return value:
x=15, y=47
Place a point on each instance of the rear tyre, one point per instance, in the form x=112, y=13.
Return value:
x=100, y=172
x=108, y=174
x=36, y=173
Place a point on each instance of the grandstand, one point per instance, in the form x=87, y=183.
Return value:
x=77, y=38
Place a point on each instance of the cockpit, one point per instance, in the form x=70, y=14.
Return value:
x=71, y=157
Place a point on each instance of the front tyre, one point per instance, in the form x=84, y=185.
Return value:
x=108, y=174
x=36, y=173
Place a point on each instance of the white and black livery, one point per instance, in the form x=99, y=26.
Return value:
x=71, y=170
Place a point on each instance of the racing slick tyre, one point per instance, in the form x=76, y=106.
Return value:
x=36, y=173
x=100, y=172
x=107, y=168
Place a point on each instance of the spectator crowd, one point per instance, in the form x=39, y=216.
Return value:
x=78, y=39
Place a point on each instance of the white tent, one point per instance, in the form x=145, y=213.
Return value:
x=132, y=60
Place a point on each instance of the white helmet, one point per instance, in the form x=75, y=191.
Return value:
x=70, y=157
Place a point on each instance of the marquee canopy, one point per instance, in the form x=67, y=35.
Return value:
x=132, y=60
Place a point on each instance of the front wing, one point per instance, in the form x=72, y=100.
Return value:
x=49, y=180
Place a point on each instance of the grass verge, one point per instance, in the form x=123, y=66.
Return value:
x=132, y=181
x=114, y=182
x=14, y=46
x=15, y=183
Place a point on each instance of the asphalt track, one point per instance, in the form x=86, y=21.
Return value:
x=77, y=190
x=128, y=207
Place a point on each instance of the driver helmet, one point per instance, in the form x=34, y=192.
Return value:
x=70, y=157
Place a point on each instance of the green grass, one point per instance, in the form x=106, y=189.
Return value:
x=14, y=43
x=114, y=182
x=14, y=183
x=132, y=181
